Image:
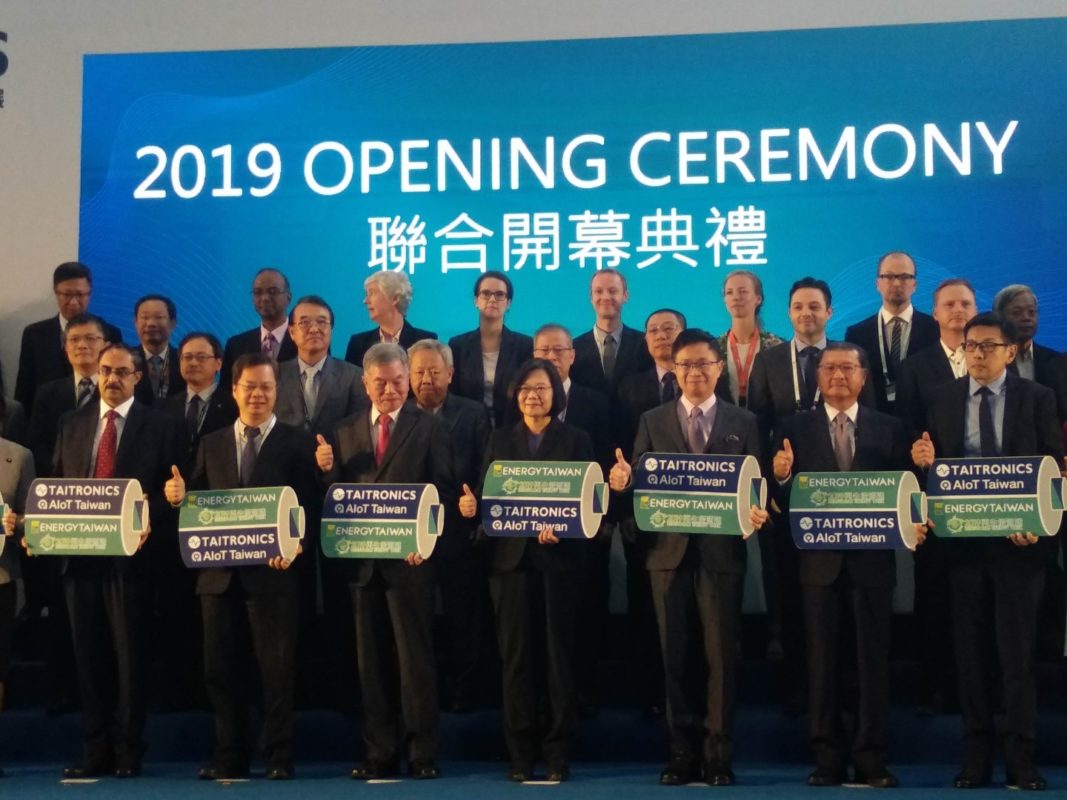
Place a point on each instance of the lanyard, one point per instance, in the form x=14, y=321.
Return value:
x=743, y=371
x=796, y=382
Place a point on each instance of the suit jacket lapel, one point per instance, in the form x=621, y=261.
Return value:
x=83, y=431
x=520, y=443
x=129, y=444
x=274, y=441
x=327, y=386
x=1012, y=411
x=405, y=423
x=680, y=440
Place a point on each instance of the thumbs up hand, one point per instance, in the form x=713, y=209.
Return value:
x=174, y=488
x=323, y=454
x=621, y=472
x=922, y=452
x=783, y=462
x=468, y=503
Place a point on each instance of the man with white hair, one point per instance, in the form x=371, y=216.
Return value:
x=387, y=296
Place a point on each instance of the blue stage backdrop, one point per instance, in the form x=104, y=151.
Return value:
x=674, y=159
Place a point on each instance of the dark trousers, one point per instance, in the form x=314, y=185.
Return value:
x=995, y=607
x=107, y=614
x=464, y=585
x=394, y=638
x=534, y=607
x=643, y=636
x=844, y=725
x=687, y=600
x=270, y=621
x=933, y=618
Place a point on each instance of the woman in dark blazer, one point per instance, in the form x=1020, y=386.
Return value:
x=531, y=572
x=486, y=358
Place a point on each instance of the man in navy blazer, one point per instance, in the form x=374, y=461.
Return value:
x=898, y=329
x=696, y=577
x=155, y=317
x=270, y=297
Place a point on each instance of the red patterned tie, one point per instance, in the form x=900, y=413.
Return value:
x=384, y=422
x=105, y=451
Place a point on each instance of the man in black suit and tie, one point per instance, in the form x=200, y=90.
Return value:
x=270, y=297
x=841, y=436
x=206, y=405
x=696, y=577
x=155, y=317
x=387, y=296
x=995, y=583
x=117, y=437
x=1018, y=304
x=611, y=351
x=257, y=450
x=41, y=357
x=897, y=331
x=462, y=571
x=393, y=442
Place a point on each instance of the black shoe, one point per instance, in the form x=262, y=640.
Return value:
x=1028, y=780
x=214, y=772
x=557, y=773
x=825, y=776
x=82, y=771
x=423, y=769
x=879, y=779
x=678, y=773
x=373, y=771
x=718, y=773
x=128, y=770
x=972, y=778
x=521, y=773
x=280, y=772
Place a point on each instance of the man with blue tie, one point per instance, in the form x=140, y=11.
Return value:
x=995, y=583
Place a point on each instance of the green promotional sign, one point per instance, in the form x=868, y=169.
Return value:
x=85, y=517
x=381, y=520
x=240, y=527
x=521, y=498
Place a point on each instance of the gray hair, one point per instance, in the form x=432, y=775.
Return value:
x=440, y=348
x=384, y=353
x=395, y=286
x=1005, y=296
x=554, y=327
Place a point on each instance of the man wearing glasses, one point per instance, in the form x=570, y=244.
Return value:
x=897, y=330
x=995, y=583
x=202, y=408
x=696, y=577
x=270, y=297
x=41, y=358
x=107, y=597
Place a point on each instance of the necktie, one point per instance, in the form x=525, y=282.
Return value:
x=85, y=391
x=842, y=446
x=611, y=348
x=896, y=332
x=987, y=432
x=807, y=395
x=267, y=348
x=105, y=450
x=696, y=432
x=155, y=374
x=384, y=423
x=248, y=455
x=668, y=387
x=311, y=394
x=192, y=414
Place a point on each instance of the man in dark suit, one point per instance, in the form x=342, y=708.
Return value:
x=41, y=357
x=897, y=331
x=995, y=583
x=117, y=437
x=1018, y=304
x=206, y=405
x=842, y=436
x=393, y=442
x=387, y=296
x=155, y=317
x=611, y=351
x=270, y=297
x=696, y=577
x=257, y=450
x=922, y=377
x=462, y=572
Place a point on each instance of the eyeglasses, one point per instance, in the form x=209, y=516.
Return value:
x=266, y=388
x=985, y=347
x=542, y=352
x=270, y=291
x=67, y=296
x=485, y=294
x=322, y=324
x=848, y=370
x=199, y=358
x=687, y=366
x=895, y=276
x=540, y=390
x=89, y=338
x=122, y=373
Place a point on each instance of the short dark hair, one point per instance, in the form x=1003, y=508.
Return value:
x=696, y=336
x=844, y=347
x=79, y=320
x=678, y=315
x=210, y=338
x=274, y=270
x=559, y=398
x=953, y=282
x=892, y=253
x=250, y=361
x=991, y=319
x=311, y=300
x=500, y=276
x=134, y=353
x=172, y=310
x=71, y=271
x=808, y=282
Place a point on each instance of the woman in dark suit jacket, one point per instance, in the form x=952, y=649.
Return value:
x=528, y=572
x=485, y=359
